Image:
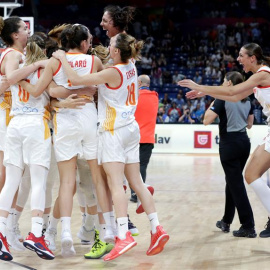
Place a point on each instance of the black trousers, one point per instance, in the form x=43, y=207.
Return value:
x=234, y=151
x=145, y=154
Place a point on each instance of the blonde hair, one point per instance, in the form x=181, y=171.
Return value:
x=33, y=53
x=102, y=53
x=129, y=47
x=57, y=30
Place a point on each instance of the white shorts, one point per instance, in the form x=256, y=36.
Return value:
x=75, y=133
x=3, y=128
x=266, y=141
x=123, y=146
x=28, y=141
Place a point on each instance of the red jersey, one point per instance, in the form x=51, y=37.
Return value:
x=146, y=114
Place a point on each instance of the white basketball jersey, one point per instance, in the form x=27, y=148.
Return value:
x=24, y=103
x=5, y=98
x=262, y=94
x=81, y=63
x=116, y=106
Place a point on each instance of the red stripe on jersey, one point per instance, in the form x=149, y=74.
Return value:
x=115, y=88
x=93, y=58
x=60, y=64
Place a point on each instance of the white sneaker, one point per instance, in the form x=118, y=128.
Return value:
x=50, y=236
x=86, y=236
x=18, y=233
x=13, y=241
x=109, y=236
x=67, y=249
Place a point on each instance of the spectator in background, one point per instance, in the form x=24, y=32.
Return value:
x=162, y=117
x=197, y=113
x=162, y=62
x=146, y=64
x=145, y=116
x=177, y=77
x=156, y=74
x=186, y=118
x=174, y=113
x=167, y=76
x=180, y=102
x=197, y=78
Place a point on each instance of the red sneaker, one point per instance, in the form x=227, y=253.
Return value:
x=5, y=254
x=140, y=209
x=121, y=247
x=158, y=241
x=38, y=245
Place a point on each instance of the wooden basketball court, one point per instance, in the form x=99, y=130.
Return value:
x=189, y=195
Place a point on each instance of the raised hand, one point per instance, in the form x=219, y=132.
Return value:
x=194, y=94
x=189, y=84
x=59, y=54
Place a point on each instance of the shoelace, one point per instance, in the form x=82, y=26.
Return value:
x=96, y=245
x=267, y=226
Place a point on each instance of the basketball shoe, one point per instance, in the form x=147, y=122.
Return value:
x=158, y=241
x=50, y=236
x=38, y=245
x=67, y=248
x=13, y=240
x=5, y=254
x=87, y=237
x=99, y=248
x=121, y=247
x=140, y=209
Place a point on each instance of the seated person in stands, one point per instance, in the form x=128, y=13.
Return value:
x=162, y=117
x=174, y=113
x=180, y=102
x=186, y=118
x=166, y=100
x=177, y=77
x=167, y=76
x=198, y=113
x=197, y=78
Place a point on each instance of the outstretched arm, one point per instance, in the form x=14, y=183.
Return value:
x=44, y=80
x=110, y=76
x=245, y=88
x=12, y=70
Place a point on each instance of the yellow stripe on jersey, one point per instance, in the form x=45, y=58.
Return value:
x=6, y=103
x=8, y=117
x=54, y=124
x=47, y=132
x=108, y=123
x=47, y=113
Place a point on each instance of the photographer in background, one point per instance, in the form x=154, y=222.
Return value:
x=162, y=117
x=186, y=118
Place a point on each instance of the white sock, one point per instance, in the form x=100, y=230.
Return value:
x=10, y=219
x=102, y=232
x=96, y=221
x=53, y=223
x=153, y=221
x=37, y=226
x=65, y=223
x=46, y=221
x=263, y=192
x=83, y=217
x=3, y=225
x=16, y=216
x=89, y=222
x=112, y=218
x=122, y=224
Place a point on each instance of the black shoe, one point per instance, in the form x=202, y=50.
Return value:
x=249, y=233
x=133, y=198
x=266, y=233
x=223, y=226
